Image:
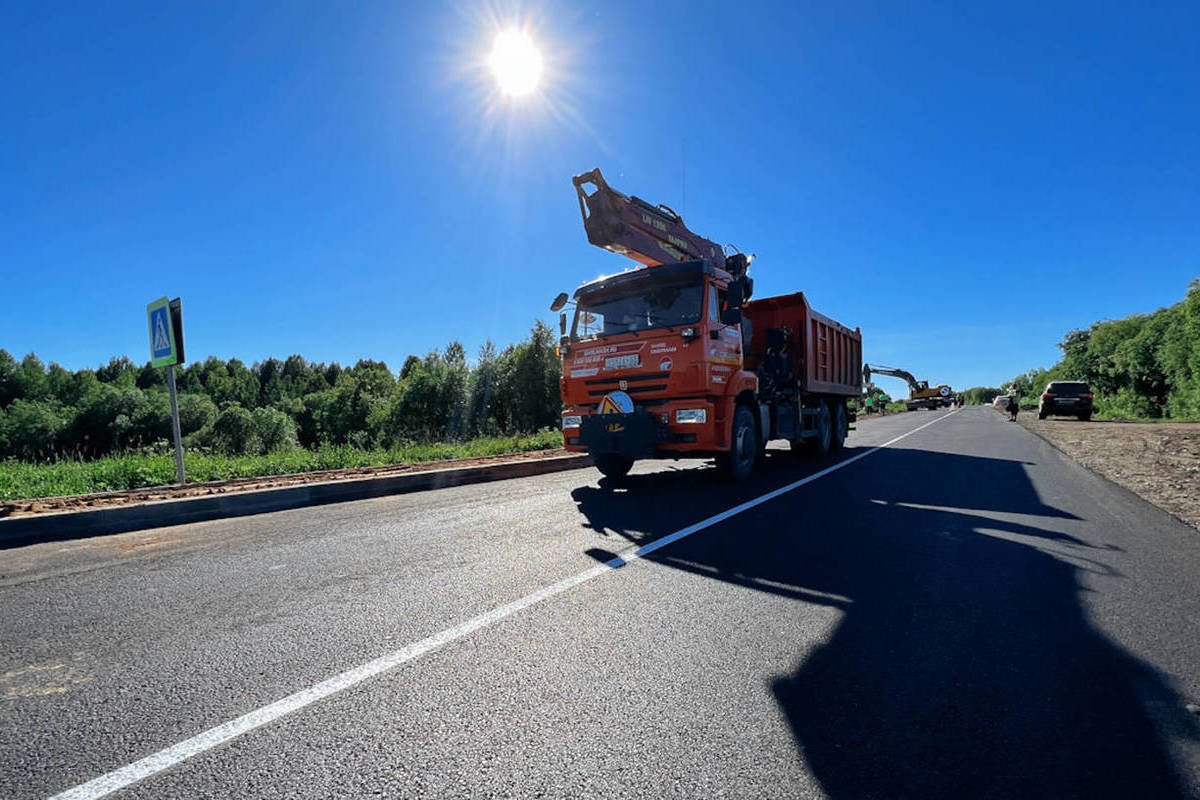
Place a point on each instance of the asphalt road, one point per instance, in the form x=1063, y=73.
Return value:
x=962, y=613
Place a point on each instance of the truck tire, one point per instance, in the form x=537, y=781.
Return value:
x=738, y=463
x=1085, y=417
x=821, y=443
x=613, y=466
x=841, y=428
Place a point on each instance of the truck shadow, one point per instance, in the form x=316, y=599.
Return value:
x=964, y=664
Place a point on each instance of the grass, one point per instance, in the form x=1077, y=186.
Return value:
x=20, y=480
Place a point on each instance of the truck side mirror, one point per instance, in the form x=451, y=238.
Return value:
x=559, y=302
x=731, y=316
x=562, y=324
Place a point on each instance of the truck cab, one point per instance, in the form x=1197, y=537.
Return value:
x=652, y=360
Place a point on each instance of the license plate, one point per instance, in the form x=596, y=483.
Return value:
x=622, y=362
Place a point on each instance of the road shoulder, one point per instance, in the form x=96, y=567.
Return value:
x=1159, y=462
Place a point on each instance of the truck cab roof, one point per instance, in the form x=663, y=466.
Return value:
x=669, y=272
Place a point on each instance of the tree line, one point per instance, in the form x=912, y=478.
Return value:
x=980, y=395
x=228, y=407
x=1142, y=366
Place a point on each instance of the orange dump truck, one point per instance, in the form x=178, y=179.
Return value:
x=672, y=360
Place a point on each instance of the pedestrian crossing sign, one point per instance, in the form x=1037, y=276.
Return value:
x=163, y=349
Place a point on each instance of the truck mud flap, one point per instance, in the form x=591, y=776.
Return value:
x=633, y=435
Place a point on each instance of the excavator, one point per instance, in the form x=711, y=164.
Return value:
x=921, y=395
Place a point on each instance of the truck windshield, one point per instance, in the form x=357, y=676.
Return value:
x=637, y=308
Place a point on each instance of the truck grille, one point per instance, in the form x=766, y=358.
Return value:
x=614, y=382
x=658, y=387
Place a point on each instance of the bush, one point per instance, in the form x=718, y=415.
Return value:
x=33, y=429
x=234, y=432
x=274, y=429
x=196, y=412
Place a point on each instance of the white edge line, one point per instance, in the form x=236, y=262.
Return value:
x=177, y=753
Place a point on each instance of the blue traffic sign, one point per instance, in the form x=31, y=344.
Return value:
x=162, y=336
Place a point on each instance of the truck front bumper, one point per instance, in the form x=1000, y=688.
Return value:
x=633, y=435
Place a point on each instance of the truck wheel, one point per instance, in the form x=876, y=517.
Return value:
x=821, y=443
x=613, y=466
x=840, y=427
x=738, y=463
x=1086, y=417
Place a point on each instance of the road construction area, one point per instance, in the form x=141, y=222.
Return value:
x=950, y=607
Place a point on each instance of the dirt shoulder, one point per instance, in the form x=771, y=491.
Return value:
x=84, y=502
x=1158, y=461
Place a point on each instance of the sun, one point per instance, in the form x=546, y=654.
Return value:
x=516, y=63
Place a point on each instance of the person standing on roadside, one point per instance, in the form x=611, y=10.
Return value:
x=1013, y=408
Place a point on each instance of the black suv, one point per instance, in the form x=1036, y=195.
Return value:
x=1066, y=398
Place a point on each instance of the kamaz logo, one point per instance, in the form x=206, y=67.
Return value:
x=615, y=427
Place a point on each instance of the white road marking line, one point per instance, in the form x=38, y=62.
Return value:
x=175, y=754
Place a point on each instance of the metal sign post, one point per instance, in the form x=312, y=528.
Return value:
x=166, y=350
x=175, y=426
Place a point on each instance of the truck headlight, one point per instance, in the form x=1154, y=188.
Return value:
x=697, y=415
x=572, y=421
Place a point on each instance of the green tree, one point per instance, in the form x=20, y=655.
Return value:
x=270, y=381
x=274, y=430
x=243, y=385
x=234, y=432
x=32, y=381
x=33, y=429
x=10, y=381
x=430, y=403
x=119, y=370
x=411, y=363
x=529, y=382
x=196, y=412
x=151, y=377
x=482, y=387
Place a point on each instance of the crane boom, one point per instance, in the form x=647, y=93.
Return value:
x=649, y=234
x=914, y=385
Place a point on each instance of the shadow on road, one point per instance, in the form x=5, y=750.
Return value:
x=964, y=665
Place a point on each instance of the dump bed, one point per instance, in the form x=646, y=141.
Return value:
x=826, y=355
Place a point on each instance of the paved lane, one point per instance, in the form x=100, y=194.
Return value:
x=962, y=614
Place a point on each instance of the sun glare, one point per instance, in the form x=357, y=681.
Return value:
x=516, y=63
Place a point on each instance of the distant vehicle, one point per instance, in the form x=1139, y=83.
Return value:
x=921, y=394
x=1066, y=398
x=1001, y=401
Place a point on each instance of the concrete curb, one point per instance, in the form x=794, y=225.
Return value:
x=102, y=521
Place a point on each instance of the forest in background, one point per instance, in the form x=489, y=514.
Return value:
x=1145, y=366
x=48, y=413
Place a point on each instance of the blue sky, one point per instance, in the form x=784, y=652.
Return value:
x=966, y=182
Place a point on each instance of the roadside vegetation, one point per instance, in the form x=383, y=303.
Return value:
x=64, y=432
x=981, y=395
x=1145, y=366
x=22, y=480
